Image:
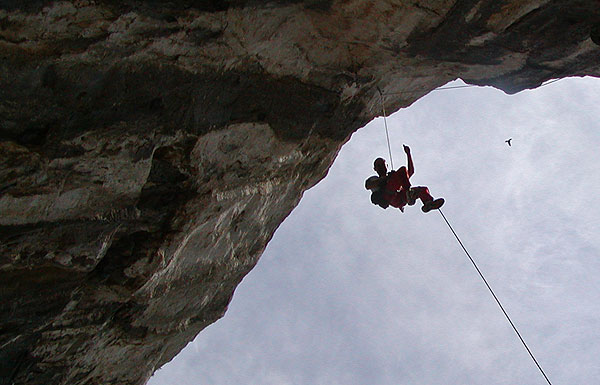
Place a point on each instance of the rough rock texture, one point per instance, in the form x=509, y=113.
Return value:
x=149, y=149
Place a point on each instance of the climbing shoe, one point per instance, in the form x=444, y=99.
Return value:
x=432, y=205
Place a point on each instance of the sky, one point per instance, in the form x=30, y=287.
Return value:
x=348, y=293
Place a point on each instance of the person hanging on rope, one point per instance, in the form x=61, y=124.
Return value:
x=393, y=188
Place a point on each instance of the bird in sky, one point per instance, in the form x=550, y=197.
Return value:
x=508, y=141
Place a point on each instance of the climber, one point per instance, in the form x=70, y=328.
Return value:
x=394, y=189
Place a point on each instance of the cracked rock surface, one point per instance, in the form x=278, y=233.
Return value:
x=149, y=149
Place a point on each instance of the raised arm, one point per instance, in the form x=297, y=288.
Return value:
x=411, y=166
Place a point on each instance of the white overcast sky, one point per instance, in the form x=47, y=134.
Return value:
x=347, y=293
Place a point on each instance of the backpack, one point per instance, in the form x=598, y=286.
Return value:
x=378, y=199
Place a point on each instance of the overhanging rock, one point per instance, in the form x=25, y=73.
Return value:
x=149, y=149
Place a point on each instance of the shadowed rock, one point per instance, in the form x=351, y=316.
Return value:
x=149, y=149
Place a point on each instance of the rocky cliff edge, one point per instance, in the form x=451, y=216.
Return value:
x=149, y=149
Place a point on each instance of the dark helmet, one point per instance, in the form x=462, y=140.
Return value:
x=370, y=181
x=379, y=162
x=380, y=167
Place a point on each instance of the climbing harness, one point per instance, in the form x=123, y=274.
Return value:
x=456, y=236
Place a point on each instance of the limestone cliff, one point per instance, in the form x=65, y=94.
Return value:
x=149, y=149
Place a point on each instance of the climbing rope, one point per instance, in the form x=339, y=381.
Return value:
x=496, y=298
x=549, y=82
x=435, y=89
x=456, y=236
x=456, y=87
x=387, y=133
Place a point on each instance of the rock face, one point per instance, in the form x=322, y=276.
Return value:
x=149, y=149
